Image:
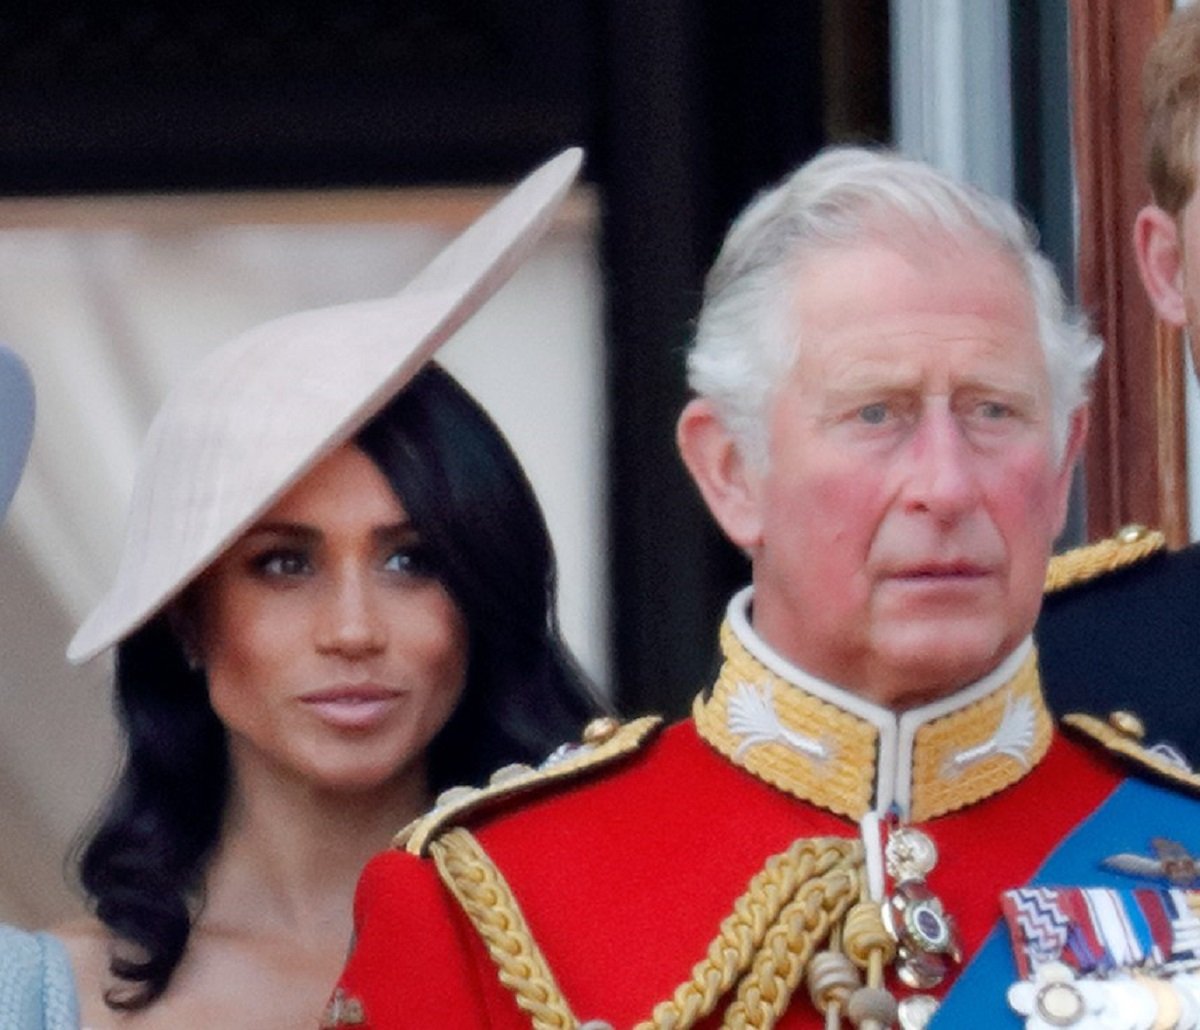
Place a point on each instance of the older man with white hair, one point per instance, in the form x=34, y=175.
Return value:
x=890, y=397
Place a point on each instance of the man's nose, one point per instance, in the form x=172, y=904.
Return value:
x=351, y=622
x=942, y=478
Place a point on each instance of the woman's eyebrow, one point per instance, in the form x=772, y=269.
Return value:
x=302, y=532
x=404, y=529
x=292, y=530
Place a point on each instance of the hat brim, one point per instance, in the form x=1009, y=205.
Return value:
x=16, y=423
x=262, y=410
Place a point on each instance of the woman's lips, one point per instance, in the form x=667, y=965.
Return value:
x=353, y=707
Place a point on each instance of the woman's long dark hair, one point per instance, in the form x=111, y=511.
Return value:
x=480, y=524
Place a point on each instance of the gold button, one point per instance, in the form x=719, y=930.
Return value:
x=1127, y=724
x=598, y=731
x=1132, y=533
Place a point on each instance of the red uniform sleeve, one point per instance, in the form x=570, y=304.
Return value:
x=416, y=961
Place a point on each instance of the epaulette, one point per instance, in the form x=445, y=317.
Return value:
x=1130, y=544
x=605, y=740
x=1122, y=735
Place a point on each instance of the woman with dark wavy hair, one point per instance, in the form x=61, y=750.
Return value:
x=336, y=599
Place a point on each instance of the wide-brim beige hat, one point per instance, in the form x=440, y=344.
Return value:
x=16, y=423
x=262, y=410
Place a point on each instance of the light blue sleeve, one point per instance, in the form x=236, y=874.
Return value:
x=37, y=986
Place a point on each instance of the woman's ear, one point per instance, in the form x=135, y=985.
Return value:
x=724, y=477
x=183, y=620
x=1159, y=250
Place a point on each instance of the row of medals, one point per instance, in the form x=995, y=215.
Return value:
x=1130, y=1001
x=927, y=946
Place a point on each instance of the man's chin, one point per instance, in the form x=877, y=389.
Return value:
x=937, y=661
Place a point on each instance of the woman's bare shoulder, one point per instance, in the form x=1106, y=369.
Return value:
x=83, y=936
x=87, y=942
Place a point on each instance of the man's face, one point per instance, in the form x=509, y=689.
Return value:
x=911, y=495
x=1189, y=276
x=1167, y=248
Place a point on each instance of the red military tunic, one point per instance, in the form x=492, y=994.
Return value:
x=624, y=876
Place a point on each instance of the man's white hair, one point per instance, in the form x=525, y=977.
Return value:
x=746, y=335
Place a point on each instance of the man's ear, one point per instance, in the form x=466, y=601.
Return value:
x=1159, y=251
x=726, y=482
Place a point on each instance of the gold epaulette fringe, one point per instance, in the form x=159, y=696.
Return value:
x=604, y=742
x=1120, y=735
x=1130, y=545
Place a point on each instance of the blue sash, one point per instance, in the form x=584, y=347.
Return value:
x=1125, y=822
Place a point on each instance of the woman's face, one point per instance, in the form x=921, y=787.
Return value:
x=332, y=653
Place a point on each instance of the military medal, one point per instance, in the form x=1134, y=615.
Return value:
x=1096, y=957
x=1054, y=998
x=925, y=934
x=1171, y=862
x=915, y=1011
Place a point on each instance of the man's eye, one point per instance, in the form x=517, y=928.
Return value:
x=874, y=414
x=282, y=563
x=994, y=410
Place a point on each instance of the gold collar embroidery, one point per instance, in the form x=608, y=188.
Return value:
x=943, y=756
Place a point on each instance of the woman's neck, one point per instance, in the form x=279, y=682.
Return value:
x=290, y=854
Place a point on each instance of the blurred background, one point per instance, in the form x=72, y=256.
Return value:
x=171, y=176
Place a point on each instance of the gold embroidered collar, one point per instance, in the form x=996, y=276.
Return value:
x=827, y=746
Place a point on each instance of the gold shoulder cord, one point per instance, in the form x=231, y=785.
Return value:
x=1130, y=545
x=789, y=907
x=488, y=901
x=1117, y=735
x=606, y=741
